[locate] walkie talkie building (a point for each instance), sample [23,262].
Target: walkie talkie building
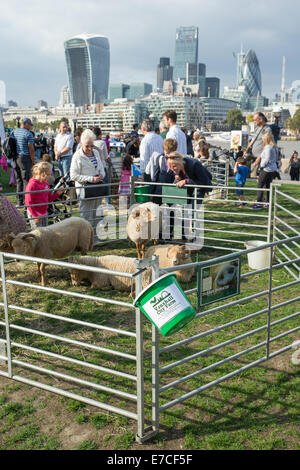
[87,57]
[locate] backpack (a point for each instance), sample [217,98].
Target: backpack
[275,131]
[9,147]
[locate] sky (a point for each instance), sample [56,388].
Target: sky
[32,34]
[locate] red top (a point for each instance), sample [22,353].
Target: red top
[38,198]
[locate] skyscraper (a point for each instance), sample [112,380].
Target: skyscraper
[64,96]
[87,57]
[191,74]
[186,50]
[202,78]
[212,85]
[248,72]
[252,74]
[2,93]
[164,71]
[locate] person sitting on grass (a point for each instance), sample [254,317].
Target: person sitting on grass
[37,214]
[241,171]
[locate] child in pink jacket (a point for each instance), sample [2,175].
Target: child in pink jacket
[37,214]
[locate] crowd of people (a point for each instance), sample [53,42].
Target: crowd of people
[167,154]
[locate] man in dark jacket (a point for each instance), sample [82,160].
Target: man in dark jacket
[189,171]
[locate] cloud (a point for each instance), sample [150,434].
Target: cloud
[32,34]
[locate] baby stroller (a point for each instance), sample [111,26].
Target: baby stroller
[65,200]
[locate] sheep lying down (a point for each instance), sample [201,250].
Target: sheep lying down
[169,256]
[107,281]
[55,241]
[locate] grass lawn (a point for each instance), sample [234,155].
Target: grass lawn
[256,409]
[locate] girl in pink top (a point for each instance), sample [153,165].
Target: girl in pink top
[37,214]
[124,189]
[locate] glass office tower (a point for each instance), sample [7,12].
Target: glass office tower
[186,50]
[87,57]
[164,72]
[248,72]
[252,74]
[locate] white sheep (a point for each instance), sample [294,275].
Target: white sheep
[55,241]
[107,281]
[143,225]
[173,255]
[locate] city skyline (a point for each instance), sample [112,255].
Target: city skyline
[33,63]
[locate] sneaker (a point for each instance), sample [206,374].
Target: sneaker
[257,206]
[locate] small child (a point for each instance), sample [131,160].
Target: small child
[241,171]
[47,158]
[124,189]
[38,214]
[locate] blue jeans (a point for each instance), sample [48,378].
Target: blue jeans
[64,164]
[239,192]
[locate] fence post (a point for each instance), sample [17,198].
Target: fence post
[269,302]
[155,359]
[275,211]
[270,213]
[226,178]
[132,200]
[8,347]
[139,357]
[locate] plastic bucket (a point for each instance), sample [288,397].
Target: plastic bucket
[166,305]
[258,259]
[139,191]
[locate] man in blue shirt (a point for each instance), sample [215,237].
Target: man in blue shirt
[25,157]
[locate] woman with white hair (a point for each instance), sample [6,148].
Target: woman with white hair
[87,169]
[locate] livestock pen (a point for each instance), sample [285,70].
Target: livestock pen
[99,350]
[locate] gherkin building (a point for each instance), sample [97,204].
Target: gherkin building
[250,74]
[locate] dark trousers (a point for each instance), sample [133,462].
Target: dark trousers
[295,175]
[264,180]
[22,168]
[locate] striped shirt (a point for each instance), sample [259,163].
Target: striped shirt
[176,133]
[23,138]
[93,160]
[151,143]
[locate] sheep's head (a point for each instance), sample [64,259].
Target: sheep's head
[76,274]
[178,255]
[23,243]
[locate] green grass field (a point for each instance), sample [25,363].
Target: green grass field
[257,409]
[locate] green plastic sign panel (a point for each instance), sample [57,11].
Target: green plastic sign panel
[218,281]
[173,191]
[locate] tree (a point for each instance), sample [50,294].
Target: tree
[293,123]
[235,119]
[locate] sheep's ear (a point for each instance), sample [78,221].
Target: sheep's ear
[135,213]
[9,238]
[30,240]
[169,251]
